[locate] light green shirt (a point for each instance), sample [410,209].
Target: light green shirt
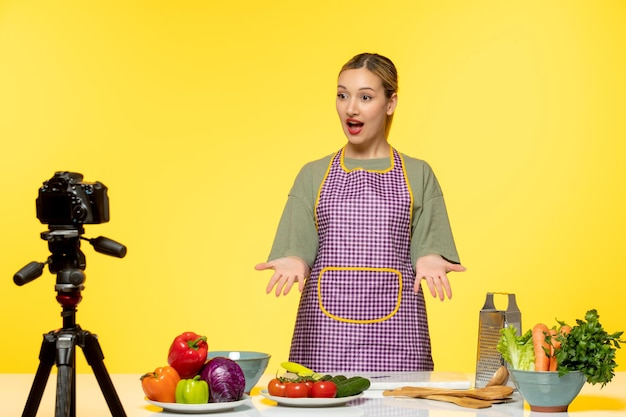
[431,233]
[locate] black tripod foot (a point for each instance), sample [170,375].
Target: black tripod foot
[93,354]
[46,361]
[59,346]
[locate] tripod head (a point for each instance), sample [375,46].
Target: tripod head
[66,203]
[67,259]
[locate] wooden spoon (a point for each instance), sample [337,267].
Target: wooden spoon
[494,392]
[500,377]
[460,401]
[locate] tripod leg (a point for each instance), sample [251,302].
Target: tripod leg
[46,360]
[66,377]
[94,356]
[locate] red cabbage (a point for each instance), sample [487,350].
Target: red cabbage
[225,378]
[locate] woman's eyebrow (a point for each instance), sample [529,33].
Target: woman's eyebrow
[361,88]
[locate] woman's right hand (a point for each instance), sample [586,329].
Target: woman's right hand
[287,270]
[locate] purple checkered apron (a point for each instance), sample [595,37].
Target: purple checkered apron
[358,311]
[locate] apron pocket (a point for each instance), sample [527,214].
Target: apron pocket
[359,295]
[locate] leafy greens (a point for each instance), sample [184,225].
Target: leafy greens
[588,348]
[517,350]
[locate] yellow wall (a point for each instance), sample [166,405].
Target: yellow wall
[198,114]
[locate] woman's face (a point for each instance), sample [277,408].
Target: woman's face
[363,108]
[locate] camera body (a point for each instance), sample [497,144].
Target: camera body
[65,200]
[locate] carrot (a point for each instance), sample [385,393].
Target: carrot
[554,344]
[540,346]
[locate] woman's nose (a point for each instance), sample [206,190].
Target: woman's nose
[352,108]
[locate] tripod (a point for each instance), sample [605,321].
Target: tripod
[59,346]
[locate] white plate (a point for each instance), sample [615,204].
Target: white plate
[198,408]
[309,402]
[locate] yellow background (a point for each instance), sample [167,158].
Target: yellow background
[198,114]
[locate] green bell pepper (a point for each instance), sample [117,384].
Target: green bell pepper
[192,391]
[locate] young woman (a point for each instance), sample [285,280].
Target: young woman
[361,229]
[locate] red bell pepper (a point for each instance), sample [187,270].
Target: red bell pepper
[187,354]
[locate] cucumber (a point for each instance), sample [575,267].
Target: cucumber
[337,379]
[352,386]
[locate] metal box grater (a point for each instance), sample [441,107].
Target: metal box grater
[491,320]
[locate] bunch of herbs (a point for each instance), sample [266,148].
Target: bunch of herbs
[590,349]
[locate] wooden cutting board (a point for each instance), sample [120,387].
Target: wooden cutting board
[495,392]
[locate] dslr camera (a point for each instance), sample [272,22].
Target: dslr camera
[65,200]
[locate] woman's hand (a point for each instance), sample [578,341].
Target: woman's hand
[433,269]
[287,270]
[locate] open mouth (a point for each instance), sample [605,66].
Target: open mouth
[354,126]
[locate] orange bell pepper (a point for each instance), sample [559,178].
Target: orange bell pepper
[160,385]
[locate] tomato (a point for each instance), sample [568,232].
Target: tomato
[276,387]
[309,385]
[296,390]
[324,389]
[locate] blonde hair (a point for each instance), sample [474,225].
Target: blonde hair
[380,66]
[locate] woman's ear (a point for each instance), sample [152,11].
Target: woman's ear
[391,104]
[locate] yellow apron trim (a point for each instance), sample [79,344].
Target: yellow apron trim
[380,171]
[319,191]
[343,166]
[345,320]
[408,186]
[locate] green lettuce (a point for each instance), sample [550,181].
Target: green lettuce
[517,350]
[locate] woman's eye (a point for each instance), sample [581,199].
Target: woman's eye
[342,96]
[366,98]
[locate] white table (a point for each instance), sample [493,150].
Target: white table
[14,388]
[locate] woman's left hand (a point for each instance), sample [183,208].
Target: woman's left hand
[433,269]
[287,271]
